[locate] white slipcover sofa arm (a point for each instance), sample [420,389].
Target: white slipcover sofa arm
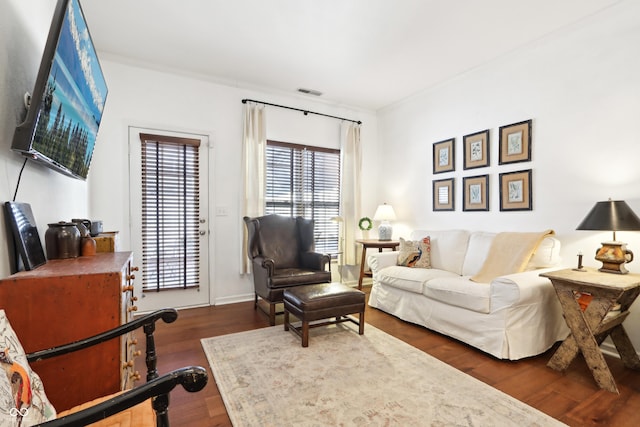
[379,260]
[520,289]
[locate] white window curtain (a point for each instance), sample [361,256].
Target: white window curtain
[254,145]
[350,198]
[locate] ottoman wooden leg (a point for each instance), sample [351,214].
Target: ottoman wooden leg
[361,328]
[305,333]
[286,320]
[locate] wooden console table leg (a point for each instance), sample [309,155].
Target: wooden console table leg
[598,366]
[564,355]
[581,324]
[625,348]
[362,261]
[305,333]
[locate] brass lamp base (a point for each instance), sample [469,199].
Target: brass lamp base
[613,256]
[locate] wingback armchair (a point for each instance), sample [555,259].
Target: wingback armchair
[282,253]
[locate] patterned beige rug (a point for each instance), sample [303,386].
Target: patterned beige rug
[267,379]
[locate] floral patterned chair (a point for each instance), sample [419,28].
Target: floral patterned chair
[23,401]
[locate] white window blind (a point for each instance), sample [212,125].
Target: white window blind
[305,181]
[170,213]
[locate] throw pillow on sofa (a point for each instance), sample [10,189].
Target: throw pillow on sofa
[415,253]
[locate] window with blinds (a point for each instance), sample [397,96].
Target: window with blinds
[170,213]
[305,181]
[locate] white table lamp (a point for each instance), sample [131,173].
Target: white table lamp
[385,214]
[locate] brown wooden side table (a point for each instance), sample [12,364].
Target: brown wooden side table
[373,243]
[600,319]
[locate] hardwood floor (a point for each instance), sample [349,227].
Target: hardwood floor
[571,397]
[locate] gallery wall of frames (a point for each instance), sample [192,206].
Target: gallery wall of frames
[514,146]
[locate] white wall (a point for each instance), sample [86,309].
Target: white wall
[148,98]
[53,197]
[581,87]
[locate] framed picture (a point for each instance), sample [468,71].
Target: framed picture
[444,158]
[476,150]
[515,143]
[515,191]
[443,196]
[475,193]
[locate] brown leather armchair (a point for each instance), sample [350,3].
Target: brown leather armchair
[282,253]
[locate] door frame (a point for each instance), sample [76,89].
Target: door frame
[207,137]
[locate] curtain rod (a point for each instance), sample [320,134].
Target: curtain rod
[244,101]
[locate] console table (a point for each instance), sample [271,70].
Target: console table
[600,319]
[66,300]
[373,243]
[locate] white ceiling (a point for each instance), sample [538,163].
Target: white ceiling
[360,53]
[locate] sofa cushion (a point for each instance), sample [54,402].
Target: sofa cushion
[460,292]
[410,279]
[140,415]
[477,250]
[547,254]
[510,253]
[448,248]
[415,253]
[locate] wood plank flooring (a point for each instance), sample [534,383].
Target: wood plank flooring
[571,397]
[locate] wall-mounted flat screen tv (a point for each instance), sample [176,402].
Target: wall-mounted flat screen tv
[68,99]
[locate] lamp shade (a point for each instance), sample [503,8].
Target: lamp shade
[384,213]
[612,215]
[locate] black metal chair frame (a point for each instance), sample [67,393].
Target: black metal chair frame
[157,388]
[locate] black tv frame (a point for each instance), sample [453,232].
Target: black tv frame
[23,136]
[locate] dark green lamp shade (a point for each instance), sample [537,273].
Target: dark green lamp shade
[612,215]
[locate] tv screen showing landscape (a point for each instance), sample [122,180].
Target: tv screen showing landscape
[70,104]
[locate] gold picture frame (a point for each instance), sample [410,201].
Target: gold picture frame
[475,193]
[516,191]
[443,194]
[444,156]
[515,143]
[476,150]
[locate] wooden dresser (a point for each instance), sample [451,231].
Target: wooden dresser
[71,299]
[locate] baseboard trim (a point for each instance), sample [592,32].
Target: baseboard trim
[233,299]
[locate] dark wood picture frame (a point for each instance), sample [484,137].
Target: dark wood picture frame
[444,156]
[516,191]
[515,142]
[475,193]
[476,150]
[444,194]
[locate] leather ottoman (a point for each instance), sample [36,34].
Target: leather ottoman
[322,301]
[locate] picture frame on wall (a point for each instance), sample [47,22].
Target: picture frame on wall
[476,150]
[444,158]
[443,194]
[475,193]
[516,191]
[515,143]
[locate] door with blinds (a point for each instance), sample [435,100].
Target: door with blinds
[169,217]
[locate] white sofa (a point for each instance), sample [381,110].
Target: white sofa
[515,316]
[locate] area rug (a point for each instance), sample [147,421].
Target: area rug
[266,378]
